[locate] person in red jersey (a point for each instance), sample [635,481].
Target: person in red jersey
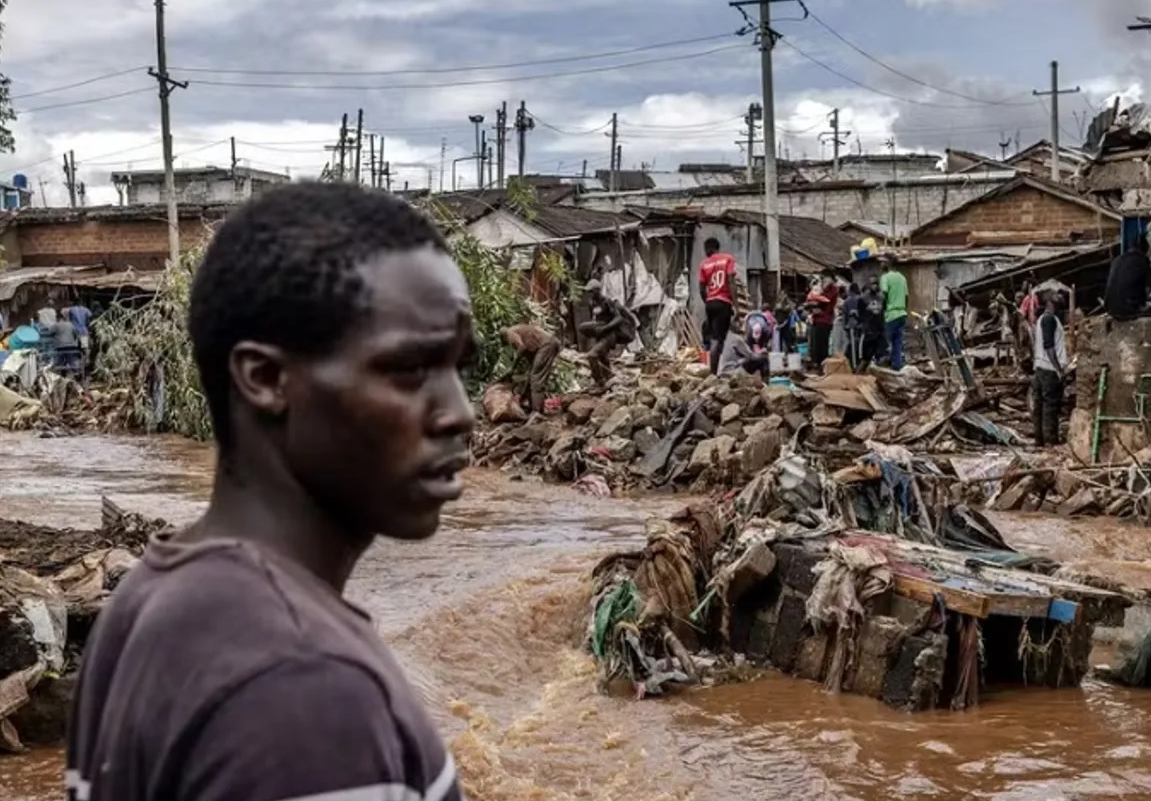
[716,274]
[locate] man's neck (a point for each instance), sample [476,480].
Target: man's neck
[276,513]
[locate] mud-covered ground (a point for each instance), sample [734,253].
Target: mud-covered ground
[487,617]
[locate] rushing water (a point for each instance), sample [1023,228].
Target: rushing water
[487,617]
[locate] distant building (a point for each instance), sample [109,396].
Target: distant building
[16,195]
[195,185]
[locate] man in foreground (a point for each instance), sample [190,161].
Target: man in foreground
[716,275]
[1051,365]
[536,345]
[328,323]
[893,285]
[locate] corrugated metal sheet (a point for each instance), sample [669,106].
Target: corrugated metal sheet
[94,276]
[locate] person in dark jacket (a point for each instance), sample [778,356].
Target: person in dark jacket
[874,332]
[853,313]
[1126,295]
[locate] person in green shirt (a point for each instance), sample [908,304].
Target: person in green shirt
[893,285]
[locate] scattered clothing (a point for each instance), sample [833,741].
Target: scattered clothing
[1126,295]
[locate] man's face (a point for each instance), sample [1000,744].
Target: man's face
[376,430]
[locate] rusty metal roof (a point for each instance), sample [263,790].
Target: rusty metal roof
[89,275]
[811,238]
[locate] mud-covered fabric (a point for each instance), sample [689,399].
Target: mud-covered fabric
[221,672]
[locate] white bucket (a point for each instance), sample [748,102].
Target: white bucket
[775,362]
[794,362]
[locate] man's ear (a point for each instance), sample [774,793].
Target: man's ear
[259,373]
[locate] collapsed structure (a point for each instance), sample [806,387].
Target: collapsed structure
[52,585]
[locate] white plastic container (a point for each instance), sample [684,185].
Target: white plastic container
[775,362]
[794,362]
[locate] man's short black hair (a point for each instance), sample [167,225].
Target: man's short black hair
[711,243]
[283,270]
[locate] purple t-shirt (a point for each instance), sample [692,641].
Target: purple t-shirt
[222,672]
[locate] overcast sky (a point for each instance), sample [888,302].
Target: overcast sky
[931,74]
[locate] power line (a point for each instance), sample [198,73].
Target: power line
[912,78]
[862,85]
[78,84]
[475,82]
[683,127]
[85,101]
[558,130]
[470,68]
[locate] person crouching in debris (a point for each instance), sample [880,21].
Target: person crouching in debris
[716,276]
[1051,366]
[611,326]
[534,343]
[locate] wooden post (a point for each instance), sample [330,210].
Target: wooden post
[1071,321]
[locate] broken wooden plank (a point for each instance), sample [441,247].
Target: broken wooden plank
[1001,600]
[955,599]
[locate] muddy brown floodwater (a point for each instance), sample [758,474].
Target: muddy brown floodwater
[487,617]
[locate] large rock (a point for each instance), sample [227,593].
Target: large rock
[580,410]
[730,413]
[501,405]
[618,449]
[603,410]
[709,452]
[779,400]
[645,440]
[761,449]
[619,424]
[653,420]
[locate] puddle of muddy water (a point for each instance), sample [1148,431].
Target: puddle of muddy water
[488,616]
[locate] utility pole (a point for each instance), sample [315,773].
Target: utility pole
[70,177]
[524,123]
[501,145]
[837,140]
[443,161]
[612,180]
[343,146]
[1054,93]
[618,158]
[484,150]
[477,120]
[160,73]
[491,166]
[767,40]
[1004,144]
[372,176]
[388,176]
[359,146]
[754,114]
[83,191]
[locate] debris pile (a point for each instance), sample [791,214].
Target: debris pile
[796,572]
[52,585]
[672,425]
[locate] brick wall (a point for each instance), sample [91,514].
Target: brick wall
[1026,211]
[141,244]
[915,204]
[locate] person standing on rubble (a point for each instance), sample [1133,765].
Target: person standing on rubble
[1126,295]
[893,285]
[1051,366]
[873,328]
[716,278]
[853,314]
[328,324]
[535,344]
[822,302]
[611,326]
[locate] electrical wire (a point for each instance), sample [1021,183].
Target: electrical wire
[475,82]
[470,68]
[558,130]
[85,101]
[92,158]
[862,85]
[912,78]
[78,84]
[712,124]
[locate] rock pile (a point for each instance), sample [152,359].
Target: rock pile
[677,427]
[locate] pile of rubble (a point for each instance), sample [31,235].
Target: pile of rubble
[856,580]
[672,425]
[61,405]
[53,583]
